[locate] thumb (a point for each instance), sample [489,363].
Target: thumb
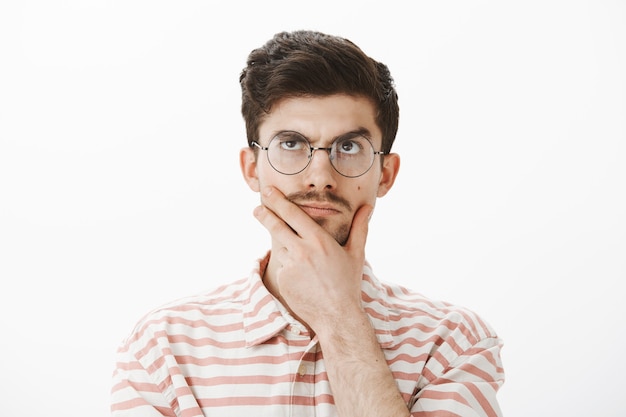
[359,228]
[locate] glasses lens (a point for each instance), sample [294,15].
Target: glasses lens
[352,155]
[288,152]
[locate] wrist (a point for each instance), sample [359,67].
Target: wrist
[346,330]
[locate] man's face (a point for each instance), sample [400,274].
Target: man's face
[319,190]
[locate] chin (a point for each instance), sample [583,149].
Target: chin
[339,233]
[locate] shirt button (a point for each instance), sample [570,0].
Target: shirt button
[302,370]
[295,330]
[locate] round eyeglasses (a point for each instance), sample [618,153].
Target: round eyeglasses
[351,155]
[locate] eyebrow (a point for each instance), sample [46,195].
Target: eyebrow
[360,131]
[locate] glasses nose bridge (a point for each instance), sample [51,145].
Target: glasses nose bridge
[328,150]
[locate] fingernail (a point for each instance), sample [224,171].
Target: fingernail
[267,191]
[257,211]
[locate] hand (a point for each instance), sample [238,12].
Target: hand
[320,282]
[318,279]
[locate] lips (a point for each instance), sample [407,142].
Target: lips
[318,210]
[320,201]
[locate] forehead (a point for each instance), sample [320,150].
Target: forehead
[321,119]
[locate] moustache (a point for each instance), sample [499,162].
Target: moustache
[320,197]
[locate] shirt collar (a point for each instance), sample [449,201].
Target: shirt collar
[377,306]
[264,317]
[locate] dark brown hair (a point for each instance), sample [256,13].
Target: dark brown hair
[309,63]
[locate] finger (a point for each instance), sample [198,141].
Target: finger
[289,212]
[359,229]
[278,229]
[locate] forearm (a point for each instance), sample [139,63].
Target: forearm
[360,378]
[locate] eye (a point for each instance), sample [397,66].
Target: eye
[291,142]
[290,145]
[351,146]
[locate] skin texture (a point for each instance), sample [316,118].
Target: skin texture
[318,222]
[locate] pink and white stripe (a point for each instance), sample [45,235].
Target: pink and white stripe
[237,352]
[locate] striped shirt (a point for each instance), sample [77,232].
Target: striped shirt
[237,352]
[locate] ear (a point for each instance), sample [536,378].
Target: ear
[391,166]
[247,162]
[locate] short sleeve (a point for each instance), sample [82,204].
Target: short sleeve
[467,387]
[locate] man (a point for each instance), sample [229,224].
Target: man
[312,332]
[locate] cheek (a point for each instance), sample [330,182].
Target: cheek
[268,176]
[367,186]
[364,193]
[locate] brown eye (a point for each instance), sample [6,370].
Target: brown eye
[291,142]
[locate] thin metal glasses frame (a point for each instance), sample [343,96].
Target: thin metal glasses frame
[312,150]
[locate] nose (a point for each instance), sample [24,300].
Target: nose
[320,173]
